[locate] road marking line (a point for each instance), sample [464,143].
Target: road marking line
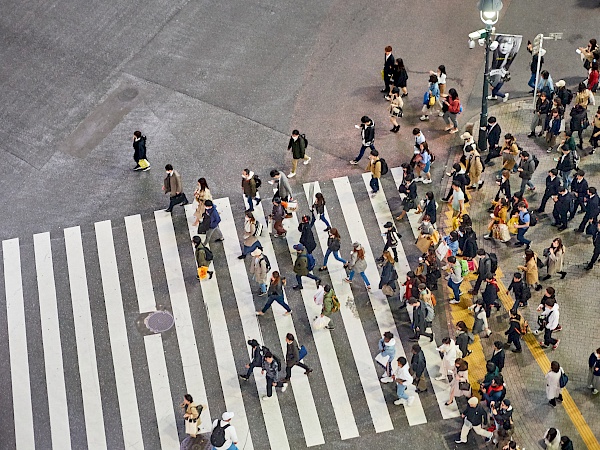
[53,359]
[84,332]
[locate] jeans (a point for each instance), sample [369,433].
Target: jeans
[448,116]
[275,298]
[374,184]
[250,249]
[525,183]
[362,151]
[496,91]
[531,82]
[309,275]
[362,274]
[323,219]
[401,391]
[336,255]
[455,288]
[521,236]
[263,287]
[250,201]
[567,178]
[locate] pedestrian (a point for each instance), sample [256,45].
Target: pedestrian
[172,186]
[498,355]
[403,380]
[422,317]
[367,133]
[490,294]
[441,74]
[493,132]
[554,259]
[275,294]
[475,416]
[458,174]
[583,97]
[457,199]
[463,337]
[473,164]
[276,217]
[563,204]
[432,269]
[546,85]
[514,331]
[448,351]
[565,95]
[495,391]
[333,246]
[459,387]
[542,108]
[499,217]
[589,54]
[259,269]
[593,379]
[451,105]
[418,364]
[510,152]
[250,188]
[211,215]
[292,358]
[531,270]
[552,126]
[271,368]
[430,98]
[256,360]
[552,439]
[319,207]
[566,443]
[552,186]
[201,253]
[491,373]
[550,320]
[533,67]
[251,233]
[297,146]
[596,244]
[565,165]
[523,225]
[455,278]
[481,322]
[392,238]
[592,209]
[549,293]
[307,237]
[520,290]
[595,137]
[579,122]
[303,266]
[428,207]
[201,194]
[395,108]
[419,139]
[502,414]
[374,167]
[408,194]
[496,82]
[191,415]
[401,77]
[553,387]
[526,170]
[139,152]
[389,276]
[452,242]
[284,190]
[358,264]
[329,305]
[388,69]
[423,165]
[579,187]
[387,349]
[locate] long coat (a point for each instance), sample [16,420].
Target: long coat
[553,389]
[531,271]
[555,261]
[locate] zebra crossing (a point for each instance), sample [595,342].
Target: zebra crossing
[193,358]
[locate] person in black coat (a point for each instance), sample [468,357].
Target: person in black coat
[490,295]
[388,69]
[493,133]
[565,164]
[418,365]
[562,206]
[306,235]
[392,238]
[520,290]
[458,174]
[552,186]
[430,207]
[498,356]
[256,359]
[579,187]
[503,187]
[514,331]
[596,242]
[139,151]
[469,249]
[592,209]
[578,117]
[419,322]
[409,189]
[389,276]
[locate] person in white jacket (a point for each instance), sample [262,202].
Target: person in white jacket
[550,316]
[553,389]
[448,349]
[403,381]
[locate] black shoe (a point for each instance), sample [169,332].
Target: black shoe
[471,188]
[531,135]
[518,244]
[517,351]
[137,167]
[538,287]
[384,90]
[243,377]
[562,275]
[547,277]
[318,282]
[308,371]
[488,439]
[404,95]
[168,210]
[219,240]
[210,274]
[588,267]
[242,257]
[185,203]
[321,269]
[480,185]
[297,287]
[258,200]
[563,228]
[327,229]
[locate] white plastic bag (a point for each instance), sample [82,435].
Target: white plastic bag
[321,322]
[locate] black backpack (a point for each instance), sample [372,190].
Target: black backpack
[569,97]
[384,167]
[526,291]
[217,437]
[208,255]
[533,220]
[303,136]
[257,180]
[267,262]
[536,162]
[493,262]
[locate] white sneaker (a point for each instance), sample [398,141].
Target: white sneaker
[441,114]
[424,118]
[595,391]
[271,182]
[441,377]
[353,162]
[291,175]
[400,401]
[492,97]
[418,179]
[284,387]
[454,301]
[536,332]
[386,379]
[505,99]
[590,386]
[427,181]
[265,398]
[486,236]
[411,400]
[306,161]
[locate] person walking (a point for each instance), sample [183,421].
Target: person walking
[430,98]
[490,294]
[553,388]
[595,137]
[514,331]
[307,238]
[531,270]
[297,146]
[211,215]
[487,264]
[271,368]
[303,266]
[552,439]
[319,208]
[387,348]
[552,186]
[275,294]
[474,417]
[418,364]
[555,255]
[403,380]
[139,152]
[395,108]
[459,175]
[250,188]
[457,199]
[579,121]
[201,254]
[502,414]
[552,127]
[493,132]
[277,216]
[333,246]
[455,278]
[451,104]
[498,355]
[473,162]
[421,313]
[408,194]
[388,69]
[480,323]
[256,360]
[579,187]
[563,204]
[374,167]
[459,387]
[201,194]
[367,133]
[463,338]
[329,305]
[565,165]
[542,108]
[448,351]
[283,189]
[191,415]
[526,170]
[389,276]
[523,225]
[533,67]
[358,264]
[259,269]
[172,186]
[550,320]
[520,290]
[292,358]
[596,244]
[251,233]
[401,77]
[391,239]
[593,380]
[592,209]
[224,436]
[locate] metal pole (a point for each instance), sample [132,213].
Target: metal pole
[482,141]
[537,71]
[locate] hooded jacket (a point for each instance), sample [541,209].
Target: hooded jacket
[367,132]
[249,185]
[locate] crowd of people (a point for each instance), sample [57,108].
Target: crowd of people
[452,255]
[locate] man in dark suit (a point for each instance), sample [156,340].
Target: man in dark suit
[493,133]
[579,187]
[388,69]
[592,209]
[596,242]
[562,206]
[552,187]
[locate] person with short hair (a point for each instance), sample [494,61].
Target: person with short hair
[542,108]
[562,208]
[593,380]
[493,133]
[403,380]
[433,92]
[191,415]
[579,187]
[231,438]
[367,133]
[388,69]
[387,347]
[457,200]
[374,167]
[523,225]
[292,358]
[514,331]
[455,278]
[139,152]
[553,388]
[297,146]
[596,244]
[249,189]
[271,368]
[552,186]
[526,170]
[172,185]
[418,364]
[592,209]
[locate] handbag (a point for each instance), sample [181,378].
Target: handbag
[381,359]
[387,290]
[202,272]
[302,352]
[442,250]
[435,237]
[423,243]
[431,100]
[504,233]
[464,386]
[540,263]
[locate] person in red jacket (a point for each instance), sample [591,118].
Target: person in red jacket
[451,107]
[592,84]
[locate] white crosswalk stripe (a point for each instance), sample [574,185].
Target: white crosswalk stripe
[165,371]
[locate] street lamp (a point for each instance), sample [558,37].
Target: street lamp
[489,11]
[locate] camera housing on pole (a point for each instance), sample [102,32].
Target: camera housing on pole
[537,49]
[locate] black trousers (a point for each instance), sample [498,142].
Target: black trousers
[586,219]
[560,218]
[515,340]
[477,284]
[548,339]
[595,257]
[251,368]
[545,199]
[394,251]
[177,199]
[288,370]
[270,382]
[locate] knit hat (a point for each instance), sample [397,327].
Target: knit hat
[473,401]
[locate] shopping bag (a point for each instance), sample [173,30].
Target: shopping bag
[321,322]
[442,250]
[512,222]
[503,231]
[290,206]
[435,237]
[455,223]
[383,360]
[423,243]
[387,290]
[302,352]
[202,272]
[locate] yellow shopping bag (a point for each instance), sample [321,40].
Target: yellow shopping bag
[512,229]
[202,272]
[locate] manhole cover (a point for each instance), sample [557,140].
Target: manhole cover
[128,94]
[159,321]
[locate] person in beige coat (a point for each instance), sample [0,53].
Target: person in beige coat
[460,375]
[555,255]
[251,241]
[474,168]
[173,186]
[509,152]
[201,194]
[531,270]
[374,167]
[259,268]
[191,415]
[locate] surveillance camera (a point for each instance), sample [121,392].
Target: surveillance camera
[476,34]
[481,42]
[471,44]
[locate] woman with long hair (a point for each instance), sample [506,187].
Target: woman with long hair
[250,242]
[201,194]
[451,107]
[400,76]
[531,270]
[554,259]
[389,276]
[396,105]
[319,208]
[358,264]
[460,379]
[275,294]
[333,246]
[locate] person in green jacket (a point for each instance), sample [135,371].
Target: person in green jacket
[328,305]
[297,145]
[200,254]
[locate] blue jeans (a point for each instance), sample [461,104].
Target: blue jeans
[323,219]
[361,153]
[496,91]
[362,274]
[521,236]
[336,255]
[276,298]
[250,201]
[531,82]
[567,178]
[263,287]
[455,288]
[309,275]
[400,391]
[374,184]
[250,249]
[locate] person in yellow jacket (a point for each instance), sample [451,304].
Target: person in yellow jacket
[374,167]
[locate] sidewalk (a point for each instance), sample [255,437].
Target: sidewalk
[524,373]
